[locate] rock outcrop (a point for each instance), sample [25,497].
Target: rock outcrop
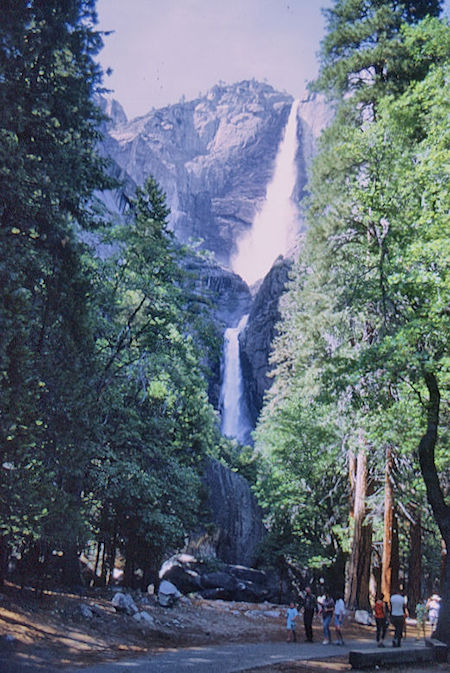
[222,297]
[237,518]
[256,339]
[212,156]
[213,579]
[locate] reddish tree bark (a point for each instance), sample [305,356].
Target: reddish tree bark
[386,563]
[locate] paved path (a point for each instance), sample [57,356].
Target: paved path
[225,658]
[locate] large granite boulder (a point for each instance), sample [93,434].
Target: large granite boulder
[235,514]
[226,581]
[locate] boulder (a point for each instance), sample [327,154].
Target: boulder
[226,582]
[364,617]
[248,574]
[218,579]
[181,575]
[145,619]
[85,611]
[124,603]
[168,594]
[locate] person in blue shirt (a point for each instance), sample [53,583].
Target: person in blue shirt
[292,614]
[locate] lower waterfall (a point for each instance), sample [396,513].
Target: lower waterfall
[235,418]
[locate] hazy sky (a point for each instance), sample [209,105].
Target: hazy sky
[162,49]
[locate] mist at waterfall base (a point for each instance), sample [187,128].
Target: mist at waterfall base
[273,232]
[275,226]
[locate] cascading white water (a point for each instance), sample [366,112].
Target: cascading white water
[275,226]
[272,234]
[235,422]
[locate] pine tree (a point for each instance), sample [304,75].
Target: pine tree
[48,132]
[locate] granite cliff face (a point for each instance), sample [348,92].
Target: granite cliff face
[256,339]
[214,157]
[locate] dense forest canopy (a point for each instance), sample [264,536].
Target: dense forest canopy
[105,419]
[357,410]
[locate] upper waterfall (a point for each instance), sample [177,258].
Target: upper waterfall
[275,226]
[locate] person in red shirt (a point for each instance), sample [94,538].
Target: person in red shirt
[381,619]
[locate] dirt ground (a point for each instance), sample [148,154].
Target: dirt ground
[50,632]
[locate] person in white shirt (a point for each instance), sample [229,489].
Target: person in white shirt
[398,605]
[433,606]
[339,616]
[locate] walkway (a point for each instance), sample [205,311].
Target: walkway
[226,658]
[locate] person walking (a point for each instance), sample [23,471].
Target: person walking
[309,608]
[291,623]
[339,616]
[327,610]
[433,607]
[381,619]
[398,607]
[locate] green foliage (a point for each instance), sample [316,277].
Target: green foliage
[104,414]
[48,128]
[366,314]
[158,424]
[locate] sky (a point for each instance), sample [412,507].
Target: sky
[163,49]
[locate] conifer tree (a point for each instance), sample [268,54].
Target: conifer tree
[357,334]
[48,131]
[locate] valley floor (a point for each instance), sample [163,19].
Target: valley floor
[50,633]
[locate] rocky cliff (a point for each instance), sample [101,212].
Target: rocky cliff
[214,157]
[236,514]
[256,340]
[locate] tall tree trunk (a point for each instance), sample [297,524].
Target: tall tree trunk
[356,558]
[395,556]
[104,570]
[415,563]
[363,585]
[441,510]
[71,573]
[386,563]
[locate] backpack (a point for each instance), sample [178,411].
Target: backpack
[379,610]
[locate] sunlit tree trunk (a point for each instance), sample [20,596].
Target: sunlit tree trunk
[415,563]
[358,559]
[386,564]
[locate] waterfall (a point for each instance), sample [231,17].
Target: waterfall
[235,421]
[272,233]
[275,226]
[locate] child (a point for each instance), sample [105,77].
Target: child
[339,616]
[292,613]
